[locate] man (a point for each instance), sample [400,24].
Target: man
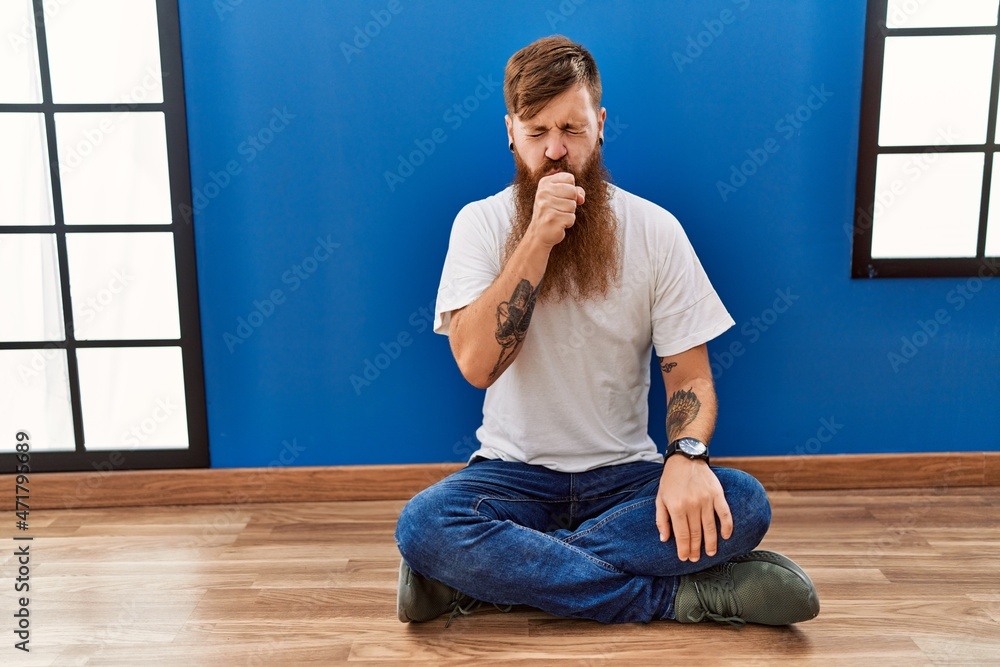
[553,294]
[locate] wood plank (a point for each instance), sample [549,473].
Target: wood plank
[315,583]
[240,487]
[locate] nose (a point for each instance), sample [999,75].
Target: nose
[555,149]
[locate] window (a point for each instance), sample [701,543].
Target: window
[928,200]
[100,348]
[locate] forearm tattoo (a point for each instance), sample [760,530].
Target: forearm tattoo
[667,366]
[513,318]
[683,408]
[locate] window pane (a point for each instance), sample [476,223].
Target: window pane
[34,393]
[940,13]
[927,205]
[133,398]
[19,79]
[104,51]
[934,86]
[993,222]
[123,286]
[25,193]
[30,298]
[113,168]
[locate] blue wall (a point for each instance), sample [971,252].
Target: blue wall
[291,136]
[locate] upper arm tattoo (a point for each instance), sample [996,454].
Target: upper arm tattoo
[683,408]
[513,318]
[667,366]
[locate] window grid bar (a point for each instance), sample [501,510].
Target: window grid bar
[940,32]
[938,148]
[76,229]
[78,344]
[116,107]
[863,264]
[991,133]
[72,367]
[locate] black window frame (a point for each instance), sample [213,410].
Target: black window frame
[196,455]
[863,265]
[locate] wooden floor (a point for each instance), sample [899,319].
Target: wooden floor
[904,577]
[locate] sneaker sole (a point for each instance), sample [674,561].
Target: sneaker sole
[404,576]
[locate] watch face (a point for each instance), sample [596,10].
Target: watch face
[692,447]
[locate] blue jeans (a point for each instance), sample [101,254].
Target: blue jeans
[580,545]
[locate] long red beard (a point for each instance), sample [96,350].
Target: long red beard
[586,264]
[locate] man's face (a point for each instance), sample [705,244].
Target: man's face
[567,127]
[564,137]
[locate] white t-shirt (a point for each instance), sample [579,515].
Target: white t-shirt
[575,398]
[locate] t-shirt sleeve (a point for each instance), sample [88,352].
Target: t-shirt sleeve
[471,265]
[687,311]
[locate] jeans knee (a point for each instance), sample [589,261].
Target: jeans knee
[750,506]
[420,531]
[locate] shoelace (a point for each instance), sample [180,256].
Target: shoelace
[715,591]
[471,606]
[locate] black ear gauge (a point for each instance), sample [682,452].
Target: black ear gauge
[511,147]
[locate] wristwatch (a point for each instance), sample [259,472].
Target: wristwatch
[689,447]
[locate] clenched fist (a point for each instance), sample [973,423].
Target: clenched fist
[555,207]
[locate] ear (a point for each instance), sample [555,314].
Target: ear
[510,128]
[601,117]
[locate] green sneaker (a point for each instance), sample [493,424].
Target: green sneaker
[760,587]
[421,599]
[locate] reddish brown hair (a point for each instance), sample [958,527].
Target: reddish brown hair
[544,69]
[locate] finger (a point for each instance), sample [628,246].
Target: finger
[662,520]
[559,177]
[725,516]
[695,526]
[682,535]
[581,196]
[708,525]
